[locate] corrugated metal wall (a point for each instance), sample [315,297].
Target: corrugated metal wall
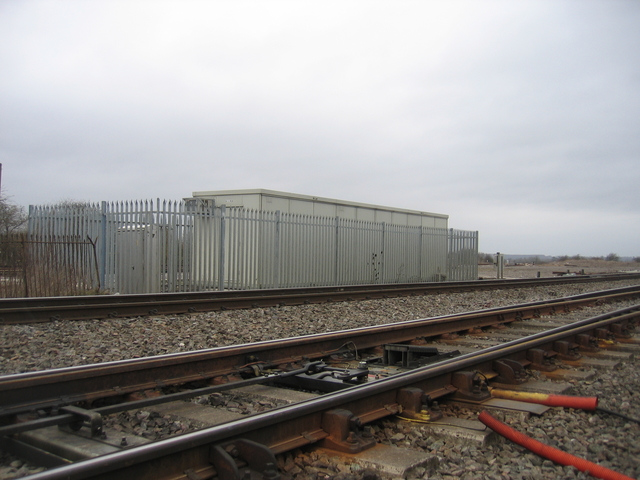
[147,246]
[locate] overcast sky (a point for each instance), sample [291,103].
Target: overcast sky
[519,119]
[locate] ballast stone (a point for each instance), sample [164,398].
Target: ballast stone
[391,460]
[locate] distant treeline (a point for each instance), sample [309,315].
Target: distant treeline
[538,259]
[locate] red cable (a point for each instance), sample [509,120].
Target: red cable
[583,403]
[551,453]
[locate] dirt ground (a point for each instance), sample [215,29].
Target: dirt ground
[575,267]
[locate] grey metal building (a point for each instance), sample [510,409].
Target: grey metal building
[284,239]
[249,239]
[272,201]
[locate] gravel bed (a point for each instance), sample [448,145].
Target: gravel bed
[57,344]
[608,440]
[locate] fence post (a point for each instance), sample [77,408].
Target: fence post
[24,265]
[276,254]
[31,219]
[450,248]
[335,276]
[474,260]
[383,273]
[221,258]
[420,243]
[103,245]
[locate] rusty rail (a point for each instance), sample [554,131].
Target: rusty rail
[45,309]
[334,419]
[34,390]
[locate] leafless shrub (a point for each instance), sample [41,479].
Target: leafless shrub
[37,267]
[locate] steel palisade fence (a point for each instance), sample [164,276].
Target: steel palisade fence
[192,245]
[47,266]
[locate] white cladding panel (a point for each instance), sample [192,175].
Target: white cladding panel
[325,210]
[271,201]
[438,223]
[383,216]
[273,204]
[298,207]
[400,218]
[346,212]
[366,215]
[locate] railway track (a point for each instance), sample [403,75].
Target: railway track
[344,362]
[45,309]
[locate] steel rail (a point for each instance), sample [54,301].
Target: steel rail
[64,386]
[68,418]
[45,309]
[292,426]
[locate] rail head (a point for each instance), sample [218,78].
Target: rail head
[44,389]
[46,309]
[363,401]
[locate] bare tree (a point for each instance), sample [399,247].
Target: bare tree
[72,203]
[13,218]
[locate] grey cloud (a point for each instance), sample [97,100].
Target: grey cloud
[486,111]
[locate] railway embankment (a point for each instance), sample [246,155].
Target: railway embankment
[58,344]
[608,440]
